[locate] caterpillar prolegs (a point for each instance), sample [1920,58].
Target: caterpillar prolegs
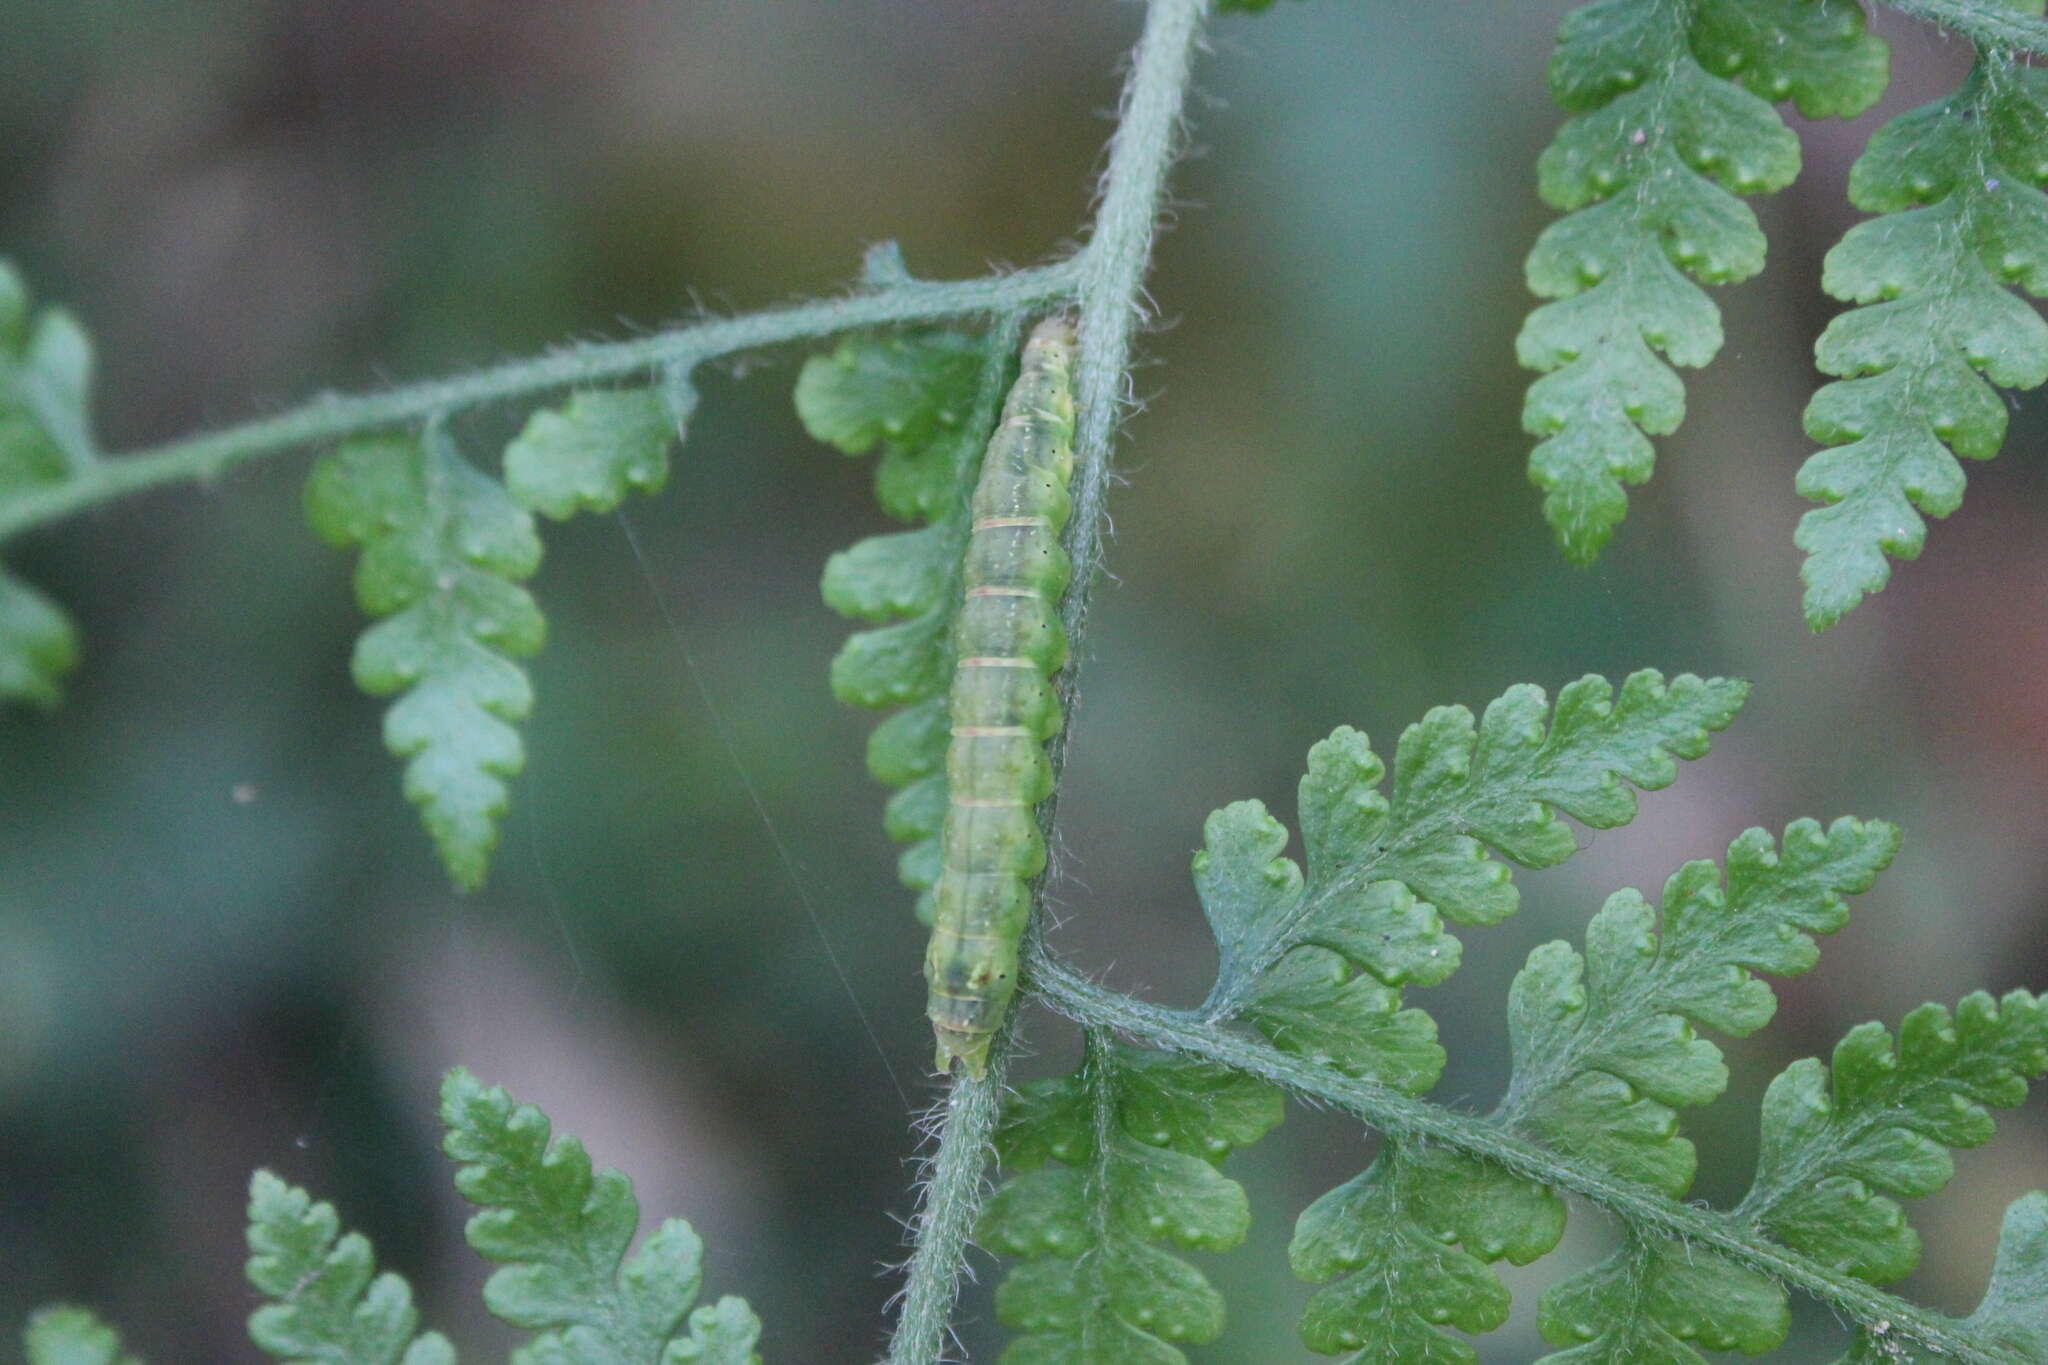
[1003,709]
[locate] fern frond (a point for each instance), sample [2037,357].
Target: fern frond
[1957,183]
[45,437]
[329,1306]
[444,547]
[927,400]
[601,445]
[65,1335]
[562,1232]
[1137,1137]
[1605,1048]
[1672,122]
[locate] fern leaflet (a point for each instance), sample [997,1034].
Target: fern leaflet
[1603,1044]
[1837,1141]
[927,400]
[45,437]
[444,547]
[1672,121]
[1957,183]
[1404,1248]
[329,1304]
[562,1231]
[1384,871]
[45,377]
[1605,1053]
[588,454]
[1137,1137]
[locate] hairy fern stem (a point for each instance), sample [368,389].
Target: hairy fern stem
[334,416]
[1112,275]
[950,1195]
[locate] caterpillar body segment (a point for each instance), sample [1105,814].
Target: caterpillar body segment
[1008,645]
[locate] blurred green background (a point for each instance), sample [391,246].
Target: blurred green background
[1325,522]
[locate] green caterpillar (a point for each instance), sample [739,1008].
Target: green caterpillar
[1003,707]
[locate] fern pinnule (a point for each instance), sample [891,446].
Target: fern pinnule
[444,548]
[1406,1247]
[46,367]
[1605,1053]
[1604,1047]
[38,644]
[1672,121]
[1840,1139]
[327,1300]
[1385,870]
[1654,1300]
[1109,1167]
[1957,185]
[590,453]
[562,1230]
